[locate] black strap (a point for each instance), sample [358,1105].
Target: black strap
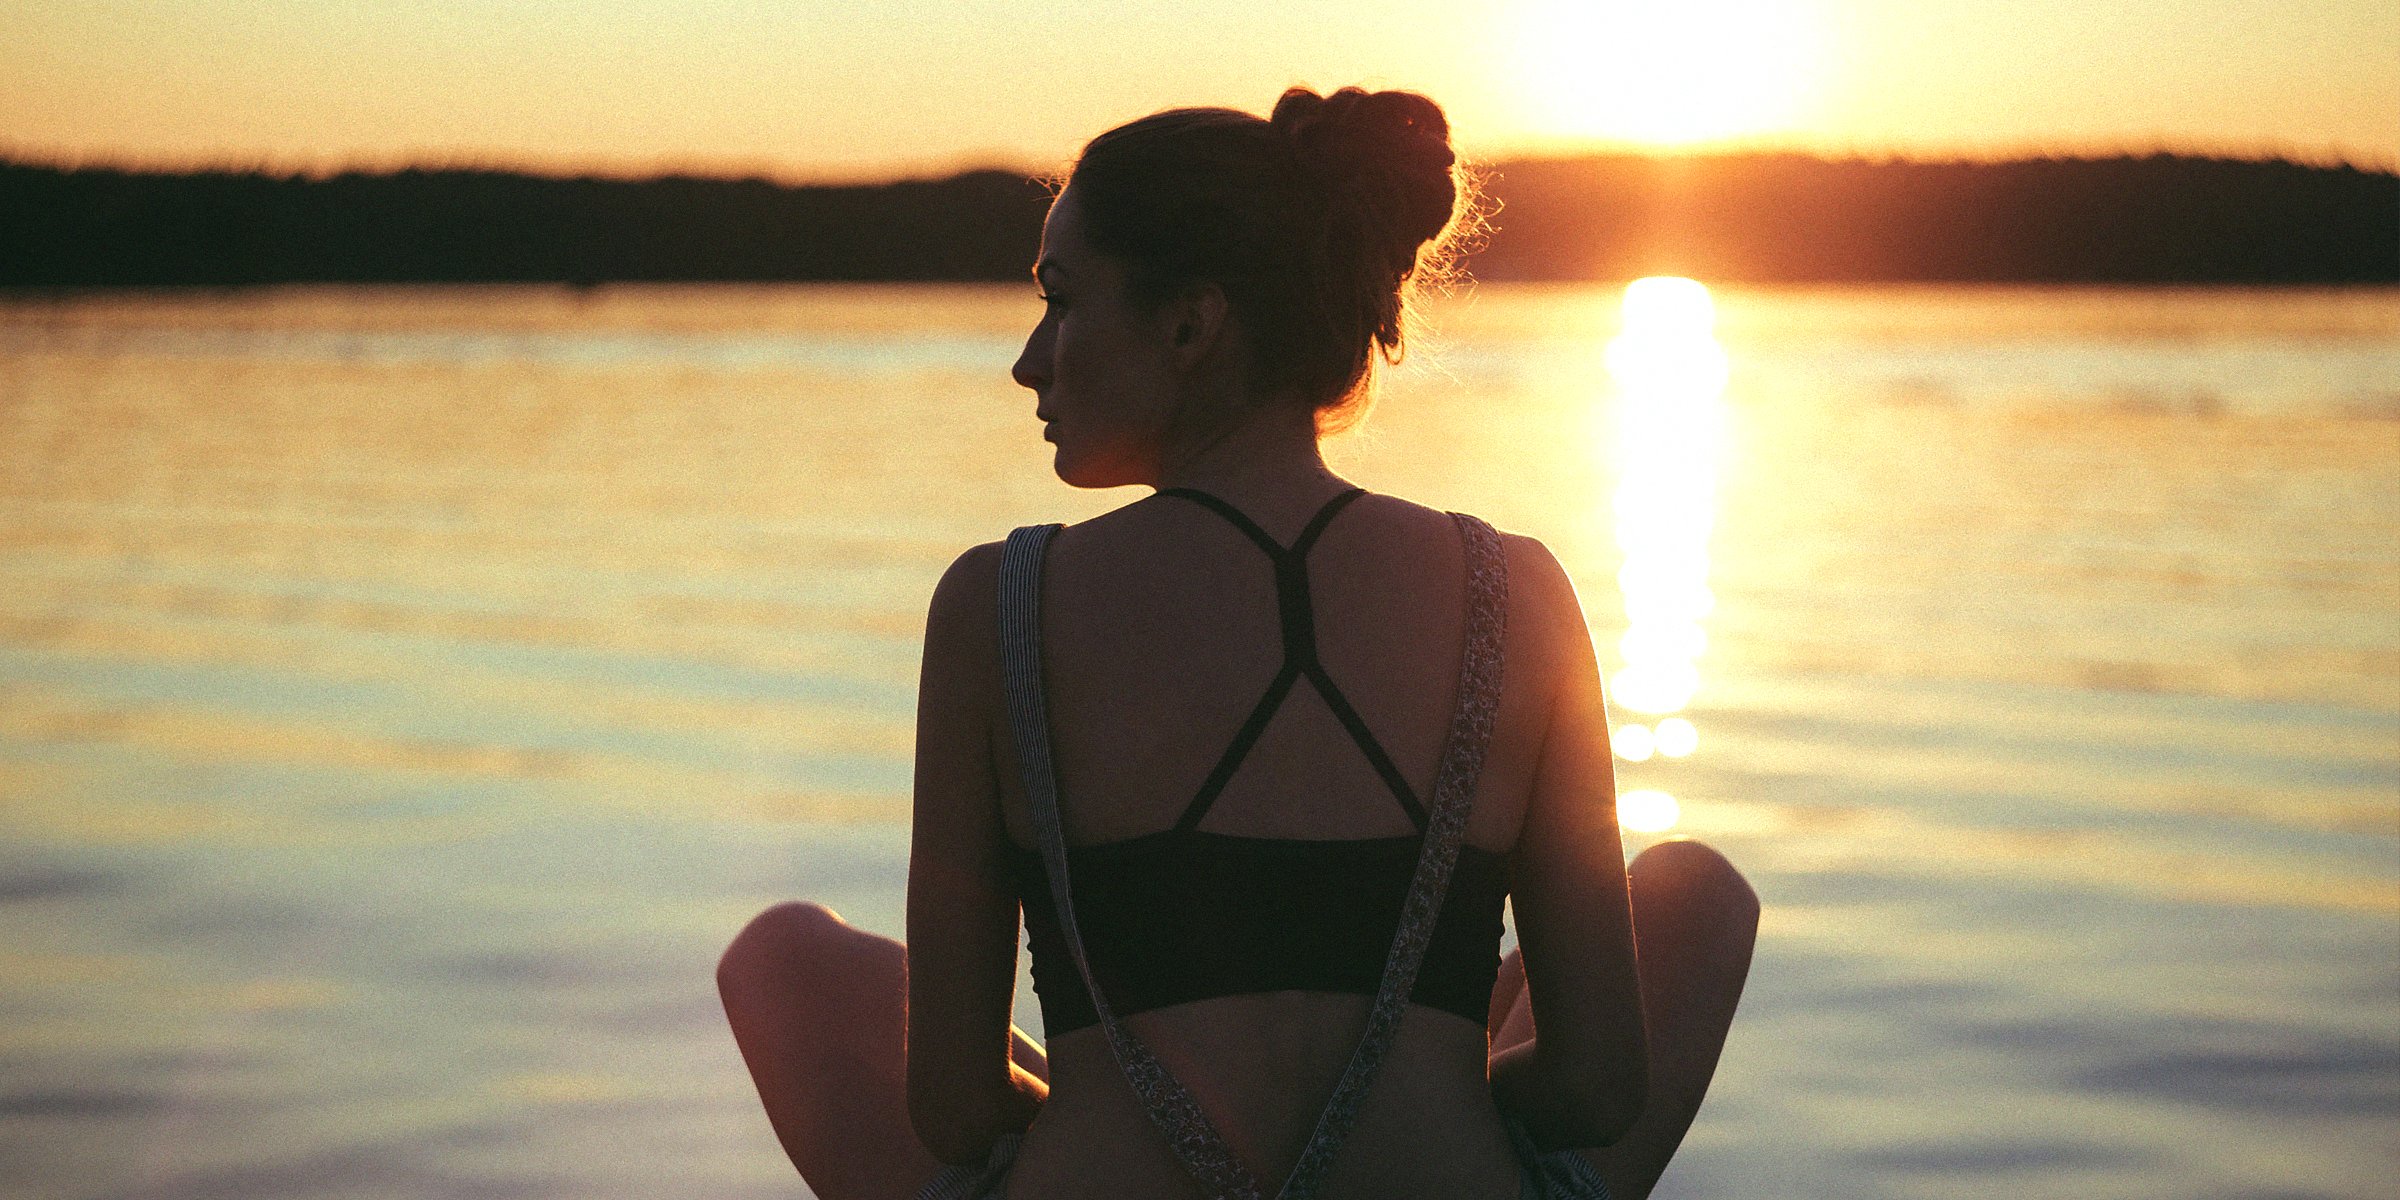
[1300,661]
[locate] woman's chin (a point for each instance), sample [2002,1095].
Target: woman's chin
[1084,473]
[1063,465]
[1088,482]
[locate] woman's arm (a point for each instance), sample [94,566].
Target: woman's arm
[963,1089]
[1581,1079]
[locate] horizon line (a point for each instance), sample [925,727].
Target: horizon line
[737,171]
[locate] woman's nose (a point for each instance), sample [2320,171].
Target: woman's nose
[1032,366]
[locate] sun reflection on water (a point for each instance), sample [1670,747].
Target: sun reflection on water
[1668,438]
[1648,810]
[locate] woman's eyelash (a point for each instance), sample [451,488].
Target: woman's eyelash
[1047,297]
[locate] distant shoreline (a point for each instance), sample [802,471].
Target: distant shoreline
[1735,218]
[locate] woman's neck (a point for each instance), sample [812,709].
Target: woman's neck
[1262,466]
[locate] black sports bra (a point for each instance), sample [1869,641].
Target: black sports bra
[1184,914]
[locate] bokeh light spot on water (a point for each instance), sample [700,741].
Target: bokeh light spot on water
[1655,686]
[1648,810]
[1633,742]
[1676,737]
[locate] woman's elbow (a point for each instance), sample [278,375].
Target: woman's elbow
[1605,1104]
[1610,1113]
[957,1115]
[1587,1123]
[1568,1103]
[946,1123]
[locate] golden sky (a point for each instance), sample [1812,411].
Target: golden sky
[810,88]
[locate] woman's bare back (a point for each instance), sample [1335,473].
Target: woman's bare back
[1162,630]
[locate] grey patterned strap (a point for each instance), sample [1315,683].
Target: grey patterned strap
[1194,1139]
[1453,799]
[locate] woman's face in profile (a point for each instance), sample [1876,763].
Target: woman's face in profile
[1098,366]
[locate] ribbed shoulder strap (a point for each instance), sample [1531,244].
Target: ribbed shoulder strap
[1195,1141]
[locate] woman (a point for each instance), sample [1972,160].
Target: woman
[1301,741]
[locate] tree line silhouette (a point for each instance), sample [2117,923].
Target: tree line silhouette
[1736,218]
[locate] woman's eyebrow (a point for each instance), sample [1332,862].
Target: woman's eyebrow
[1050,265]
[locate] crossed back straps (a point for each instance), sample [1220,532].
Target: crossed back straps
[1195,1141]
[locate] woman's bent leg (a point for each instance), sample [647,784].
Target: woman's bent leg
[818,1008]
[1695,921]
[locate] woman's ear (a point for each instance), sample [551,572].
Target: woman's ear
[1200,325]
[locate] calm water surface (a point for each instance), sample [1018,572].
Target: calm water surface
[404,693]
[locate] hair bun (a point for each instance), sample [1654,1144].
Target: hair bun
[1389,150]
[1320,224]
[1402,124]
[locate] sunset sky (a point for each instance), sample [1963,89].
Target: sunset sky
[812,89]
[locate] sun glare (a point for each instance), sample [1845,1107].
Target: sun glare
[1666,74]
[1667,442]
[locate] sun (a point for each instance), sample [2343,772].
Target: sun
[1665,72]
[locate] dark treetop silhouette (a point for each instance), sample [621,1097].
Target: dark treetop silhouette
[1733,218]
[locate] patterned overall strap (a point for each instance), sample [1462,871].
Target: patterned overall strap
[1196,1142]
[1453,799]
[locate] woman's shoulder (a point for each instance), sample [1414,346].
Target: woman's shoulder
[1544,611]
[959,620]
[1538,583]
[976,571]
[1535,573]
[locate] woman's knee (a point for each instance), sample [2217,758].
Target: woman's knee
[794,938]
[1692,878]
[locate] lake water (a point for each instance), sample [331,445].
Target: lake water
[405,692]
